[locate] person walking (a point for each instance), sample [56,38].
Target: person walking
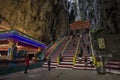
[26,64]
[85,61]
[80,57]
[91,61]
[81,50]
[49,62]
[88,49]
[60,57]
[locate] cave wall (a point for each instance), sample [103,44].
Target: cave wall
[103,14]
[41,19]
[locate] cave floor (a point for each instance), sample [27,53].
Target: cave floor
[59,74]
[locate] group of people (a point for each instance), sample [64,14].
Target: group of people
[85,60]
[85,46]
[80,52]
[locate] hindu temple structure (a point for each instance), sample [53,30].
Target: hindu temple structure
[12,42]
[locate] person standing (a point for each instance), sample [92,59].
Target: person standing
[91,61]
[80,57]
[88,49]
[60,57]
[26,64]
[85,61]
[49,62]
[81,50]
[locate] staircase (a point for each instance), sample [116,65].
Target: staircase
[68,54]
[79,65]
[55,54]
[48,51]
[113,65]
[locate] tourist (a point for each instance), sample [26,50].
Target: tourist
[60,57]
[26,64]
[88,49]
[80,57]
[78,33]
[81,50]
[91,61]
[49,62]
[85,61]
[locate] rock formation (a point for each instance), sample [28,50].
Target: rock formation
[103,14]
[41,19]
[47,20]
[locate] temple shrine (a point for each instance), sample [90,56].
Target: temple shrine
[13,38]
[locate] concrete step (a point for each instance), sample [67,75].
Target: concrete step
[114,63]
[52,63]
[68,55]
[69,50]
[116,67]
[67,60]
[82,61]
[66,63]
[84,68]
[65,66]
[52,57]
[52,66]
[82,65]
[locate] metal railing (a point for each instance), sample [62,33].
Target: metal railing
[93,55]
[56,46]
[75,56]
[66,45]
[58,61]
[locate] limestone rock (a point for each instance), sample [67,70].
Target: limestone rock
[102,14]
[36,18]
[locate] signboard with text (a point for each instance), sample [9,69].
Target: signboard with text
[101,43]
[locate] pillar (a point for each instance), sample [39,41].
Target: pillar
[10,48]
[10,53]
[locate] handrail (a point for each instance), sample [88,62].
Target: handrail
[50,45]
[74,57]
[93,55]
[58,59]
[66,45]
[56,46]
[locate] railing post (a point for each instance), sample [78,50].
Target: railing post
[74,59]
[75,56]
[58,60]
